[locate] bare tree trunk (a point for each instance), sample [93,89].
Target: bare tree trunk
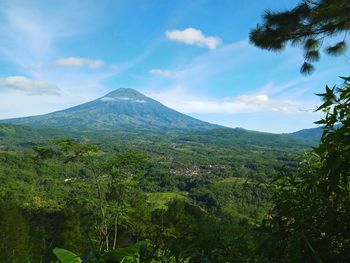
[100,197]
[115,232]
[99,192]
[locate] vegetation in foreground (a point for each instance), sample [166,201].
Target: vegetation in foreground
[127,206]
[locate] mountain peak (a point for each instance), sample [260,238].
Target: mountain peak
[125,93]
[121,109]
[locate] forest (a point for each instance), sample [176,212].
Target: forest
[88,197]
[218,195]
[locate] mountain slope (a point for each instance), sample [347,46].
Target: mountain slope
[312,135]
[122,109]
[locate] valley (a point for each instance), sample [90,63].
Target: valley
[53,162]
[174,131]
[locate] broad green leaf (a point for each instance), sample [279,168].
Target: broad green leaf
[66,256]
[324,105]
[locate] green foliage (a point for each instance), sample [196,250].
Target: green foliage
[14,233]
[61,185]
[312,135]
[206,181]
[100,192]
[161,200]
[66,256]
[194,191]
[306,25]
[178,189]
[133,253]
[310,218]
[186,231]
[338,49]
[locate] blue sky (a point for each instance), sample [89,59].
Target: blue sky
[193,56]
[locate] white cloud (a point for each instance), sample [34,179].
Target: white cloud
[31,87]
[78,62]
[254,99]
[180,99]
[193,36]
[123,98]
[32,34]
[30,30]
[161,72]
[15,103]
[140,101]
[108,99]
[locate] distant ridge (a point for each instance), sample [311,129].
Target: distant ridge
[122,109]
[312,135]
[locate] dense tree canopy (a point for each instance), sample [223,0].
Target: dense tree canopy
[215,196]
[310,218]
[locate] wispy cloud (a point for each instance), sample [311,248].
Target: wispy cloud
[193,88]
[161,73]
[260,99]
[29,35]
[29,86]
[193,36]
[204,67]
[78,62]
[35,34]
[31,43]
[181,99]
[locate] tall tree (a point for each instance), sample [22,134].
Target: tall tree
[310,219]
[14,234]
[307,25]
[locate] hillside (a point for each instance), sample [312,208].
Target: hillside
[122,109]
[312,135]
